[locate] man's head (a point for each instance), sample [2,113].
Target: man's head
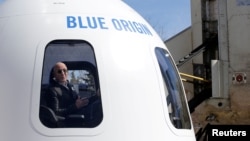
[60,72]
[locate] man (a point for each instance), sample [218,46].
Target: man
[61,97]
[63,100]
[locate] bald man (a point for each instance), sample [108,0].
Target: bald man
[61,96]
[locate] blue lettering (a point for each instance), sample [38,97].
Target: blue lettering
[80,23]
[142,28]
[71,22]
[94,22]
[146,30]
[102,23]
[99,22]
[87,22]
[137,27]
[131,26]
[117,24]
[125,25]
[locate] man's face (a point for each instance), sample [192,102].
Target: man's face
[61,72]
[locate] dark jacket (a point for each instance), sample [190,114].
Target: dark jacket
[61,99]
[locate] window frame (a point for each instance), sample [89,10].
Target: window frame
[35,99]
[160,51]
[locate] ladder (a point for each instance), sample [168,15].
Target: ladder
[201,48]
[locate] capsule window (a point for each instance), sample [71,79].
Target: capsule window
[175,98]
[70,91]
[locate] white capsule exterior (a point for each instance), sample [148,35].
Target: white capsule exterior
[124,52]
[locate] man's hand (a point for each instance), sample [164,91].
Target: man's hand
[81,102]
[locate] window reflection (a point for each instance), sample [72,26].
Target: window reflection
[82,84]
[174,93]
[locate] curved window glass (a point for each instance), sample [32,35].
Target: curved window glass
[174,93]
[70,92]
